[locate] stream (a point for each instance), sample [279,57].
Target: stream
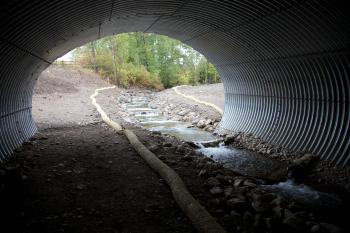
[241,161]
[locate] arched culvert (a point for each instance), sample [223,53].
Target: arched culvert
[284,64]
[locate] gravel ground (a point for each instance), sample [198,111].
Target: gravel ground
[77,175]
[212,93]
[62,97]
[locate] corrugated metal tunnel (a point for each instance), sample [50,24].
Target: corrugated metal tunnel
[284,64]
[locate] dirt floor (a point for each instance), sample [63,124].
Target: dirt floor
[212,93]
[78,175]
[61,97]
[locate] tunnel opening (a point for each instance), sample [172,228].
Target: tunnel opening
[285,70]
[285,73]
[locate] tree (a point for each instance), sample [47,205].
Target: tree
[146,60]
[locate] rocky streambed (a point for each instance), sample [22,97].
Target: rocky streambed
[254,186]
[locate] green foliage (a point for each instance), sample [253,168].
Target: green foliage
[146,60]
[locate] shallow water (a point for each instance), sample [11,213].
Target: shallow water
[153,120]
[244,162]
[305,195]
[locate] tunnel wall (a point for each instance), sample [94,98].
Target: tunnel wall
[284,64]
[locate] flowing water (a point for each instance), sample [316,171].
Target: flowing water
[244,162]
[152,119]
[305,195]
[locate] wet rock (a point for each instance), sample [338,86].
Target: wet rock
[238,182]
[229,139]
[201,123]
[228,191]
[43,137]
[208,122]
[296,223]
[216,202]
[183,112]
[215,124]
[330,228]
[237,203]
[278,212]
[280,202]
[81,186]
[248,216]
[167,144]
[262,201]
[153,207]
[180,149]
[195,121]
[203,173]
[212,182]
[216,191]
[259,224]
[301,167]
[316,228]
[2,173]
[249,183]
[194,145]
[224,180]
[187,158]
[236,218]
[214,143]
[277,174]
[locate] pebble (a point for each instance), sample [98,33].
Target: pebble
[249,184]
[81,186]
[167,144]
[296,223]
[315,228]
[237,203]
[331,228]
[212,182]
[238,182]
[216,190]
[228,191]
[203,173]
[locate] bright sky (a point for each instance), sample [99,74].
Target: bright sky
[67,57]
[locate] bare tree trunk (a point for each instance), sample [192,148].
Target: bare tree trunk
[114,59]
[93,56]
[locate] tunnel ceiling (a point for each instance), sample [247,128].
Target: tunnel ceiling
[284,64]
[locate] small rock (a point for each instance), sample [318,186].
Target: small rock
[315,228]
[43,137]
[249,183]
[154,207]
[212,182]
[302,166]
[296,223]
[237,203]
[225,180]
[167,144]
[203,173]
[238,182]
[2,172]
[216,190]
[331,228]
[201,123]
[278,212]
[248,216]
[236,217]
[187,158]
[262,202]
[183,112]
[81,186]
[229,140]
[228,191]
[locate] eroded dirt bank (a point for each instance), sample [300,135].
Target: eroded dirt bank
[80,176]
